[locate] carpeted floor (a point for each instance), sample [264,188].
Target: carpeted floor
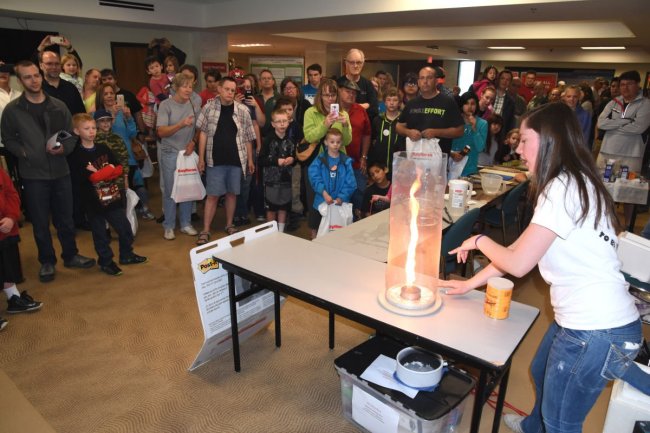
[110,354]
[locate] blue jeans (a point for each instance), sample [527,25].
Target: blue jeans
[357,195]
[571,368]
[51,197]
[117,219]
[242,208]
[167,169]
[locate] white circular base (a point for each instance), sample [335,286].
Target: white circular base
[408,312]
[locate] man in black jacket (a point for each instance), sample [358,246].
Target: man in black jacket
[34,129]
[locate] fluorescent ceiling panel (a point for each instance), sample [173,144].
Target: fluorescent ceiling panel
[506,31]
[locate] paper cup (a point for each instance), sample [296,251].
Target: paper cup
[497,298]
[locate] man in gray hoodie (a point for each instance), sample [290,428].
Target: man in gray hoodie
[34,129]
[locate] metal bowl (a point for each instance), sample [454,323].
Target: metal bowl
[418,368]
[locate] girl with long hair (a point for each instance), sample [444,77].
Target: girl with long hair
[596,333]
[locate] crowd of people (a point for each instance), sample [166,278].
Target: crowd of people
[74,147]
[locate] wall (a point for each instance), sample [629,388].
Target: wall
[93,41]
[620,67]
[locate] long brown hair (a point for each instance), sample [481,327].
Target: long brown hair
[326,85]
[562,149]
[99,99]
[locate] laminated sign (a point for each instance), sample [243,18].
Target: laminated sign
[211,287]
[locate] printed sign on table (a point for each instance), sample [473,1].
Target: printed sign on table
[211,287]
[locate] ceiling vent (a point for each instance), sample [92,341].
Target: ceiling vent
[127,5]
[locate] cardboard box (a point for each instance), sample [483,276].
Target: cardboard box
[634,254]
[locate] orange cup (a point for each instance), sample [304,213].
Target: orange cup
[497,298]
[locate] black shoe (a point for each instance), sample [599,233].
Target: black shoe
[133,260]
[46,274]
[22,304]
[292,226]
[112,269]
[83,226]
[3,323]
[296,216]
[160,219]
[79,261]
[241,221]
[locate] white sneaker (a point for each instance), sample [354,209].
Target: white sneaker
[169,234]
[189,230]
[513,422]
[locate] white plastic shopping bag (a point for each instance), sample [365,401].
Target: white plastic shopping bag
[334,217]
[132,200]
[187,179]
[423,145]
[147,167]
[456,168]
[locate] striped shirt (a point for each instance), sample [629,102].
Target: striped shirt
[207,123]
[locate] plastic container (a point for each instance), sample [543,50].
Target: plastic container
[626,406]
[439,411]
[634,254]
[491,183]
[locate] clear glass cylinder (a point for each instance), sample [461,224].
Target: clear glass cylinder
[417,202]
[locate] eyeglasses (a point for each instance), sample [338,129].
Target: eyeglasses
[51,63]
[329,95]
[354,63]
[410,84]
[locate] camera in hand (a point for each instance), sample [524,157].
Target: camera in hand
[465,150]
[248,93]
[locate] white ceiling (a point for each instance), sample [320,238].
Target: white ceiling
[550,30]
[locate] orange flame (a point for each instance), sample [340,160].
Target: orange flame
[414,207]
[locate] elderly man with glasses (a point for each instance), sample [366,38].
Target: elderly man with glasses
[367,95]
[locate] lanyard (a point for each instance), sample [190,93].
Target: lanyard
[390,134]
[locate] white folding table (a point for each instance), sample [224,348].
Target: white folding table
[349,285]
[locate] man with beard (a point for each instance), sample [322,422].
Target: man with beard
[29,124]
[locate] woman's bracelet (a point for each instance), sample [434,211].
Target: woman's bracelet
[476,241]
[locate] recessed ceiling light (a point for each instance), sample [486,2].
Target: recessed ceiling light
[506,48]
[603,48]
[250,45]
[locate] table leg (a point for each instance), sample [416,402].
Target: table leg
[331,329]
[503,387]
[233,320]
[630,228]
[278,328]
[479,401]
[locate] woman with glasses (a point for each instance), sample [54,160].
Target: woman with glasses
[318,119]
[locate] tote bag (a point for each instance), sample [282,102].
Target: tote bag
[187,179]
